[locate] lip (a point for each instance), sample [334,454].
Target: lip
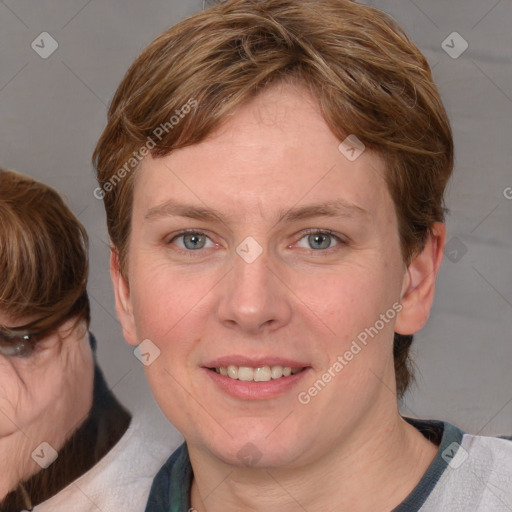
[255,362]
[256,390]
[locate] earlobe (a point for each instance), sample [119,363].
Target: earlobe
[123,300]
[419,283]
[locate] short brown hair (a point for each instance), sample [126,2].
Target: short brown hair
[369,78]
[44,261]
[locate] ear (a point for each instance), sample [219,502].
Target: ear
[123,301]
[419,283]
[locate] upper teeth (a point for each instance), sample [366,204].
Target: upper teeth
[260,374]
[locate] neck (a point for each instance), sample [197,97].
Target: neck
[373,469]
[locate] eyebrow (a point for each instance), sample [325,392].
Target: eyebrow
[174,208]
[338,208]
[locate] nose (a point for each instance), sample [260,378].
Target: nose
[253,298]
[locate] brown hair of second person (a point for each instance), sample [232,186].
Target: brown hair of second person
[44,264]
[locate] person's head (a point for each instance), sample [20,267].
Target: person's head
[46,363]
[233,125]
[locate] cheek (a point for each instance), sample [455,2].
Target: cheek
[172,308]
[10,387]
[160,299]
[24,393]
[163,293]
[349,299]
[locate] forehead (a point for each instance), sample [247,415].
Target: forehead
[270,154]
[7,320]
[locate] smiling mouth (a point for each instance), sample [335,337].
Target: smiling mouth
[259,374]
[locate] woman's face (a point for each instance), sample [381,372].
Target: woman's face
[291,252]
[48,389]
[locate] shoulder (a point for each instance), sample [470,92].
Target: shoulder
[478,476]
[122,479]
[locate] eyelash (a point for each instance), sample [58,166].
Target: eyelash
[307,232]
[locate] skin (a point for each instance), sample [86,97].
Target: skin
[43,398]
[348,449]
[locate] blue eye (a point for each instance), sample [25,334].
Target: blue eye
[320,240]
[192,240]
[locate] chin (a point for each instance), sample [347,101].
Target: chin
[279,449]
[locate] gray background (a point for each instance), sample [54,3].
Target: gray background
[53,110]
